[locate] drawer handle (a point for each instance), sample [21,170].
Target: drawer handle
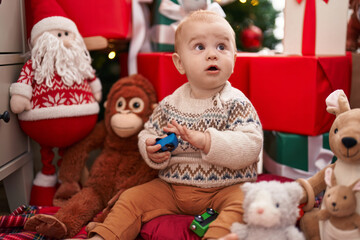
[6,115]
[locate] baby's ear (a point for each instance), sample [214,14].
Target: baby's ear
[178,63]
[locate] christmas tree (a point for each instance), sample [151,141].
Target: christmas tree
[243,13]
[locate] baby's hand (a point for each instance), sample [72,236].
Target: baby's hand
[197,139]
[151,149]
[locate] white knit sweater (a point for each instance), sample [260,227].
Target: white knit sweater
[236,138]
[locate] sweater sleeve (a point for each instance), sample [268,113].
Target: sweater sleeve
[153,128]
[23,86]
[241,145]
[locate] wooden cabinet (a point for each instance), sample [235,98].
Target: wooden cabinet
[16,163]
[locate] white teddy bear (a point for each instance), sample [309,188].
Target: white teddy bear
[270,211]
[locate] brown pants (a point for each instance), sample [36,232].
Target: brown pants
[142,203]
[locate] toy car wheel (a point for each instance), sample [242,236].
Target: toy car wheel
[170,147]
[199,218]
[210,211]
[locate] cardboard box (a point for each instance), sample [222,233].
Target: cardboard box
[315,27]
[296,156]
[110,19]
[289,92]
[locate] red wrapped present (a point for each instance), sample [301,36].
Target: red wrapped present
[110,19]
[289,92]
[159,68]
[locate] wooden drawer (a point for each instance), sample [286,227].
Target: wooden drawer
[12,26]
[13,142]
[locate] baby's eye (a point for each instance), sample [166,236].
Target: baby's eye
[220,47]
[199,47]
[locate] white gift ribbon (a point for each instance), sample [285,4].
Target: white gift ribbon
[318,158]
[140,37]
[164,34]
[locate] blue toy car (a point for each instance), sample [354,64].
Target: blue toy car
[168,143]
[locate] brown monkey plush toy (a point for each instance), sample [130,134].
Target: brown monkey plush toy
[119,166]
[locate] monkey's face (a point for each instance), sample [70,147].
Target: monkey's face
[129,109]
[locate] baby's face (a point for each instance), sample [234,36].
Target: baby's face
[207,53]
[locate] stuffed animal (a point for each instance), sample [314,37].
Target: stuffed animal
[270,211]
[353,27]
[119,166]
[56,94]
[344,137]
[340,204]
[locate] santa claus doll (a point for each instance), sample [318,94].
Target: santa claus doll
[56,96]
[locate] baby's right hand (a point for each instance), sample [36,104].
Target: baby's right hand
[151,149]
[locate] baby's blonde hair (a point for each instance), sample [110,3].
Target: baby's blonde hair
[201,16]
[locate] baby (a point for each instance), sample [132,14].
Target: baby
[220,139]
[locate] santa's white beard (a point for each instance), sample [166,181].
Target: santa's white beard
[72,64]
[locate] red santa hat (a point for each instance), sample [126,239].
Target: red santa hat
[48,15]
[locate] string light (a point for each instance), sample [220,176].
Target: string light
[242,1]
[254,2]
[111,55]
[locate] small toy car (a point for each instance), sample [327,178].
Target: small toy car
[168,143]
[201,222]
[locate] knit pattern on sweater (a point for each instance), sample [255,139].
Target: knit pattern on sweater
[223,112]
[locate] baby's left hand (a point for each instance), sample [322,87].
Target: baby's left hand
[197,139]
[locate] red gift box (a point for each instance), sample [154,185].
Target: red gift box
[110,19]
[289,92]
[159,68]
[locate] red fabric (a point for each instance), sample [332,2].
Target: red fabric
[60,132]
[42,9]
[42,196]
[289,92]
[11,226]
[309,28]
[158,67]
[169,227]
[110,18]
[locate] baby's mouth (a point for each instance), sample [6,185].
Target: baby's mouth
[212,68]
